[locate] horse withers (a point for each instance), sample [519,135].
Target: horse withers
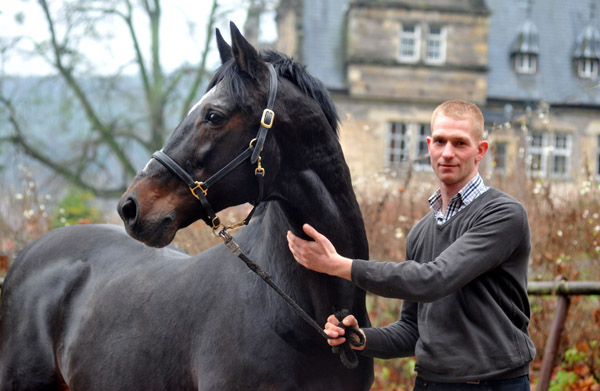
[89,308]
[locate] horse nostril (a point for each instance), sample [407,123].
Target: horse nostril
[129,211]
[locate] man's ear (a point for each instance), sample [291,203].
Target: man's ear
[481,150]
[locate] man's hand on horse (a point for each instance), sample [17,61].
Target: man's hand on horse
[319,255]
[336,333]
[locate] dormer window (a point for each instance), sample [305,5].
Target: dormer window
[587,68]
[526,49]
[586,55]
[525,63]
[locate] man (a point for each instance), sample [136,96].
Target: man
[464,284]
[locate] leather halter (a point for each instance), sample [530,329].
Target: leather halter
[200,189]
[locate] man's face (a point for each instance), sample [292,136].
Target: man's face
[455,151]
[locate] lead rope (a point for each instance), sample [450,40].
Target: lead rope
[347,354]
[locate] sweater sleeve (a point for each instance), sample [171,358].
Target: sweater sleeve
[488,241]
[396,340]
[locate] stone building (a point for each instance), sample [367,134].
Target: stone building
[531,65]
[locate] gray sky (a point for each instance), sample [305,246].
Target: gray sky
[180,43]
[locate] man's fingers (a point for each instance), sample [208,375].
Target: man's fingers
[336,341]
[350,320]
[313,233]
[332,329]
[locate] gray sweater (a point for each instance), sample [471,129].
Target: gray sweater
[466,312]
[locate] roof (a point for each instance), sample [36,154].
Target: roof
[323,43]
[527,40]
[588,43]
[559,24]
[461,6]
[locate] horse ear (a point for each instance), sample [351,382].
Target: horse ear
[244,54]
[224,48]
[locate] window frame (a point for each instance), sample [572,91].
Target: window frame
[598,156]
[584,65]
[499,156]
[528,67]
[564,152]
[422,131]
[415,36]
[441,39]
[537,150]
[548,151]
[397,154]
[414,135]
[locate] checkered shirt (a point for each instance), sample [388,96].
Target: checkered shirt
[461,200]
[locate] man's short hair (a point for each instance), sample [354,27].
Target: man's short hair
[460,110]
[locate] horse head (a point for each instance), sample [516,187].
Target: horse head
[228,124]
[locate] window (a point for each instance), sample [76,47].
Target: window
[436,46]
[587,68]
[598,156]
[550,158]
[409,43]
[526,63]
[434,38]
[398,143]
[400,147]
[536,159]
[499,157]
[422,150]
[560,158]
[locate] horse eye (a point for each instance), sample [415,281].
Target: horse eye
[214,118]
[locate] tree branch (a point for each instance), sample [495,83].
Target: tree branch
[201,72]
[136,47]
[19,140]
[67,74]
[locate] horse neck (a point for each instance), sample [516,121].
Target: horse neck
[319,194]
[316,293]
[327,202]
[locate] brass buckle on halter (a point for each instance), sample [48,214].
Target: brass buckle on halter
[198,186]
[216,223]
[271,118]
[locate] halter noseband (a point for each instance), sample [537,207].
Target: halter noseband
[200,189]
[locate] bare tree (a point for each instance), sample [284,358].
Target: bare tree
[109,137]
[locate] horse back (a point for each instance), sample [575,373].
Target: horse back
[46,293]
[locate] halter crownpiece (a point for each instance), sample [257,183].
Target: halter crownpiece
[200,189]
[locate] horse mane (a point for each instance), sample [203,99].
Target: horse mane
[287,68]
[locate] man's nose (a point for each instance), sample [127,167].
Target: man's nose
[448,151]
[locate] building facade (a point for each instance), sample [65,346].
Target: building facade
[531,65]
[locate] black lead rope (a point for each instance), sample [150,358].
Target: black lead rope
[347,354]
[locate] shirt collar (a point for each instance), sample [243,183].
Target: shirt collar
[467,194]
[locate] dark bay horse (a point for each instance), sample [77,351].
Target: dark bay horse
[88,308]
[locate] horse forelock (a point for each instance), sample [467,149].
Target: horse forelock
[286,67]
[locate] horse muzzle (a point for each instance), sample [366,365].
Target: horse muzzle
[156,229]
